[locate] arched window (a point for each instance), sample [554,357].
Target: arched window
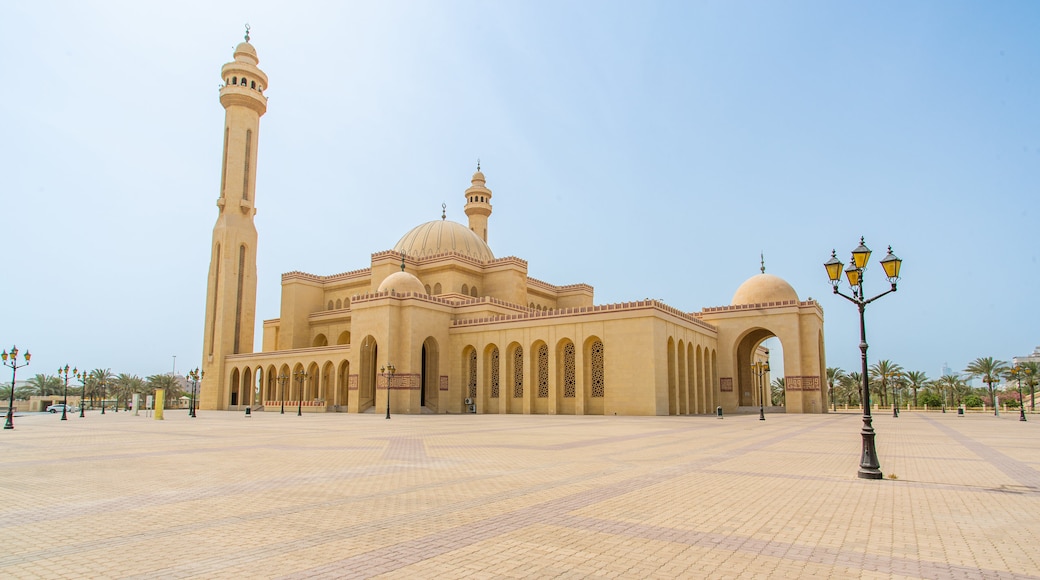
[543,371]
[428,291]
[518,373]
[494,373]
[252,84]
[473,291]
[568,371]
[234,80]
[597,369]
[330,305]
[339,304]
[472,374]
[465,289]
[437,288]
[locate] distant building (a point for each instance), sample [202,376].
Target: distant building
[1035,357]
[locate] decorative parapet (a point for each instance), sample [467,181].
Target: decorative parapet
[760,305]
[542,285]
[562,312]
[370,296]
[353,274]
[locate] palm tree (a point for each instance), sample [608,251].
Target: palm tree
[45,385]
[1032,377]
[126,385]
[953,389]
[168,383]
[916,380]
[777,392]
[989,370]
[886,373]
[851,386]
[99,381]
[834,376]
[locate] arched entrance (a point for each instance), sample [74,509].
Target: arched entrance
[753,389]
[429,383]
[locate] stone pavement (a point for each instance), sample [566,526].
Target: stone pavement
[512,496]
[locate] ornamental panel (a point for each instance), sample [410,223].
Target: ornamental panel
[543,372]
[597,369]
[568,371]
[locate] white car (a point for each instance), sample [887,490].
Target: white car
[59,407]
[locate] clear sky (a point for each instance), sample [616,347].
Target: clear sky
[650,149]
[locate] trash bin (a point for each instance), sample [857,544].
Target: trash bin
[249,412]
[960,411]
[718,411]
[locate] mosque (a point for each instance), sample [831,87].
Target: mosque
[438,324]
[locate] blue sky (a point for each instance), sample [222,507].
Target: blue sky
[649,149]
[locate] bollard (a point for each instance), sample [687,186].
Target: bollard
[248,412]
[718,411]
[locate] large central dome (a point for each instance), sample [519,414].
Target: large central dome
[440,236]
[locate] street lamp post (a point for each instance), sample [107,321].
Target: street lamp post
[104,391]
[300,376]
[1017,373]
[282,379]
[869,468]
[760,369]
[82,376]
[193,376]
[11,360]
[388,374]
[64,372]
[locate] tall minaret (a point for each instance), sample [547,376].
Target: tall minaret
[231,290]
[478,204]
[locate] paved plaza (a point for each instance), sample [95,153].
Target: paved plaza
[514,496]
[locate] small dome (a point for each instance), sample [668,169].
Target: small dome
[245,52]
[401,282]
[762,288]
[440,236]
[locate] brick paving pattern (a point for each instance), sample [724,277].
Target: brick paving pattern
[513,496]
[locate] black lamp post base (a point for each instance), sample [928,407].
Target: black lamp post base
[869,473]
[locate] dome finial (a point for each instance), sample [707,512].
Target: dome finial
[444,210]
[402,261]
[762,256]
[247,32]
[478,163]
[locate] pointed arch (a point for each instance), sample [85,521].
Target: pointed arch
[540,376]
[492,378]
[344,337]
[594,376]
[515,372]
[680,371]
[469,366]
[566,377]
[320,340]
[429,388]
[673,395]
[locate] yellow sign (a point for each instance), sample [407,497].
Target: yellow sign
[159,404]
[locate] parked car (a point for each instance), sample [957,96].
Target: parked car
[59,407]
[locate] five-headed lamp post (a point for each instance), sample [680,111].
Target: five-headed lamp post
[869,468]
[388,374]
[301,377]
[760,369]
[82,376]
[282,379]
[193,376]
[1018,372]
[64,373]
[11,360]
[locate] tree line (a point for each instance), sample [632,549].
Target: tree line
[891,384]
[100,385]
